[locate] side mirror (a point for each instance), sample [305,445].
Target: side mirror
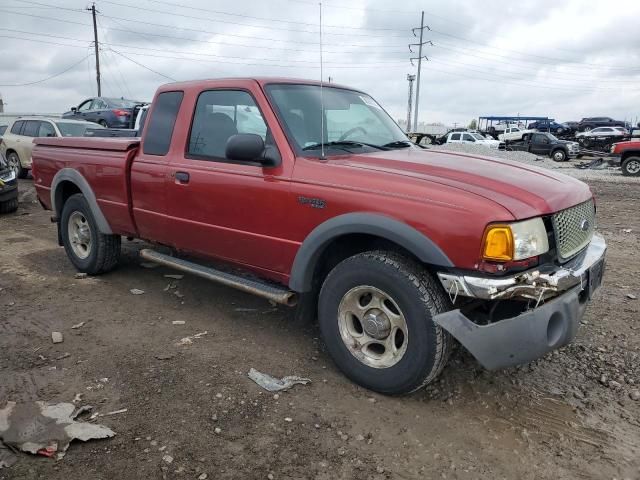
[74,109]
[249,147]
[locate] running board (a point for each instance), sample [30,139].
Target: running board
[265,290]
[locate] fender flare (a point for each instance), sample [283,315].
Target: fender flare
[301,278]
[75,177]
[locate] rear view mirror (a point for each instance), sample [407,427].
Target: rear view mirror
[249,147]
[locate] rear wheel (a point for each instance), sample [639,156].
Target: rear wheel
[631,167]
[103,123]
[89,250]
[376,314]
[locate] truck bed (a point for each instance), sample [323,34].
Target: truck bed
[108,158]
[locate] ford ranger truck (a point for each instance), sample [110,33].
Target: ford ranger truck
[271,187]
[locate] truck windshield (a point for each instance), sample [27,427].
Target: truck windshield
[353,121]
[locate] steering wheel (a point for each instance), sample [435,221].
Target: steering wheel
[351,131]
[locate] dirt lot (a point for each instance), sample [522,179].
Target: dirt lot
[569,415]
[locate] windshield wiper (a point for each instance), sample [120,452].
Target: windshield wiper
[398,144]
[343,143]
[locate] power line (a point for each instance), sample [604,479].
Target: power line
[47,78]
[315,32]
[144,66]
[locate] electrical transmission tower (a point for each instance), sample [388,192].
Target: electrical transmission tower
[419,59]
[411,79]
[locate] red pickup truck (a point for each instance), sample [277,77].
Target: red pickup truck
[306,193]
[629,154]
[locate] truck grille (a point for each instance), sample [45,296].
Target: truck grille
[573,228]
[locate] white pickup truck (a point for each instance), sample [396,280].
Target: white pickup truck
[474,138]
[512,134]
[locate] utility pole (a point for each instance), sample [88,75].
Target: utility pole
[419,58]
[95,42]
[411,79]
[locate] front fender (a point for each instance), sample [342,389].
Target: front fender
[304,265]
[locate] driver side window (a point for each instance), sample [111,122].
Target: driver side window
[85,106]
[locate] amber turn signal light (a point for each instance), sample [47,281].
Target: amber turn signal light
[498,243]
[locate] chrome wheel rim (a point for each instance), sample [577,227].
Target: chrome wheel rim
[14,163]
[372,327]
[633,166]
[558,156]
[79,235]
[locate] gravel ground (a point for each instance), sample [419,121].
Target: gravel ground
[192,412]
[603,173]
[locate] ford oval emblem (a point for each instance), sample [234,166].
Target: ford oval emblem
[584,225]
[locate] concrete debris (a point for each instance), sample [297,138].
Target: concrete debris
[203,476]
[626,230]
[80,275]
[108,414]
[63,356]
[634,395]
[78,398]
[272,384]
[164,356]
[78,325]
[174,276]
[631,296]
[178,322]
[136,291]
[189,340]
[56,337]
[45,429]
[167,459]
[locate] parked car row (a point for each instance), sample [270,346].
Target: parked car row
[16,143]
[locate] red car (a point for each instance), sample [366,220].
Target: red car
[629,153]
[317,194]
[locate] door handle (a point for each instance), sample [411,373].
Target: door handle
[182,177]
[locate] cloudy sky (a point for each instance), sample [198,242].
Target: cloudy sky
[563,58]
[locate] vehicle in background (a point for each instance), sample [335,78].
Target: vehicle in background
[590,123]
[629,155]
[549,126]
[512,134]
[545,143]
[121,132]
[495,125]
[571,126]
[604,132]
[3,128]
[475,139]
[108,112]
[17,141]
[398,249]
[8,187]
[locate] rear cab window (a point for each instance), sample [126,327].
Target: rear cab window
[162,121]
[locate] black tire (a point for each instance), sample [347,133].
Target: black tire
[104,253]
[631,167]
[9,206]
[103,123]
[14,163]
[419,298]
[558,155]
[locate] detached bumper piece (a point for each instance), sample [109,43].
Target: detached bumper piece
[521,339]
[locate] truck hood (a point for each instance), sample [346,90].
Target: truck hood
[525,191]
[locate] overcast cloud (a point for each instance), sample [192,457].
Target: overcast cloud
[563,58]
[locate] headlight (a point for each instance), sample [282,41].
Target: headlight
[515,241]
[613,148]
[9,176]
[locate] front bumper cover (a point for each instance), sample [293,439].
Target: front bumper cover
[533,333]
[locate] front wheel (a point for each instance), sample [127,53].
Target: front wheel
[103,123]
[89,250]
[9,206]
[376,314]
[631,167]
[559,155]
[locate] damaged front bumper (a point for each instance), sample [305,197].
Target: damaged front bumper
[560,297]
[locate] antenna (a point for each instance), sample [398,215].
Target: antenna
[322,156]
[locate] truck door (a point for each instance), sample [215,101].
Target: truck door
[539,144]
[150,169]
[225,209]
